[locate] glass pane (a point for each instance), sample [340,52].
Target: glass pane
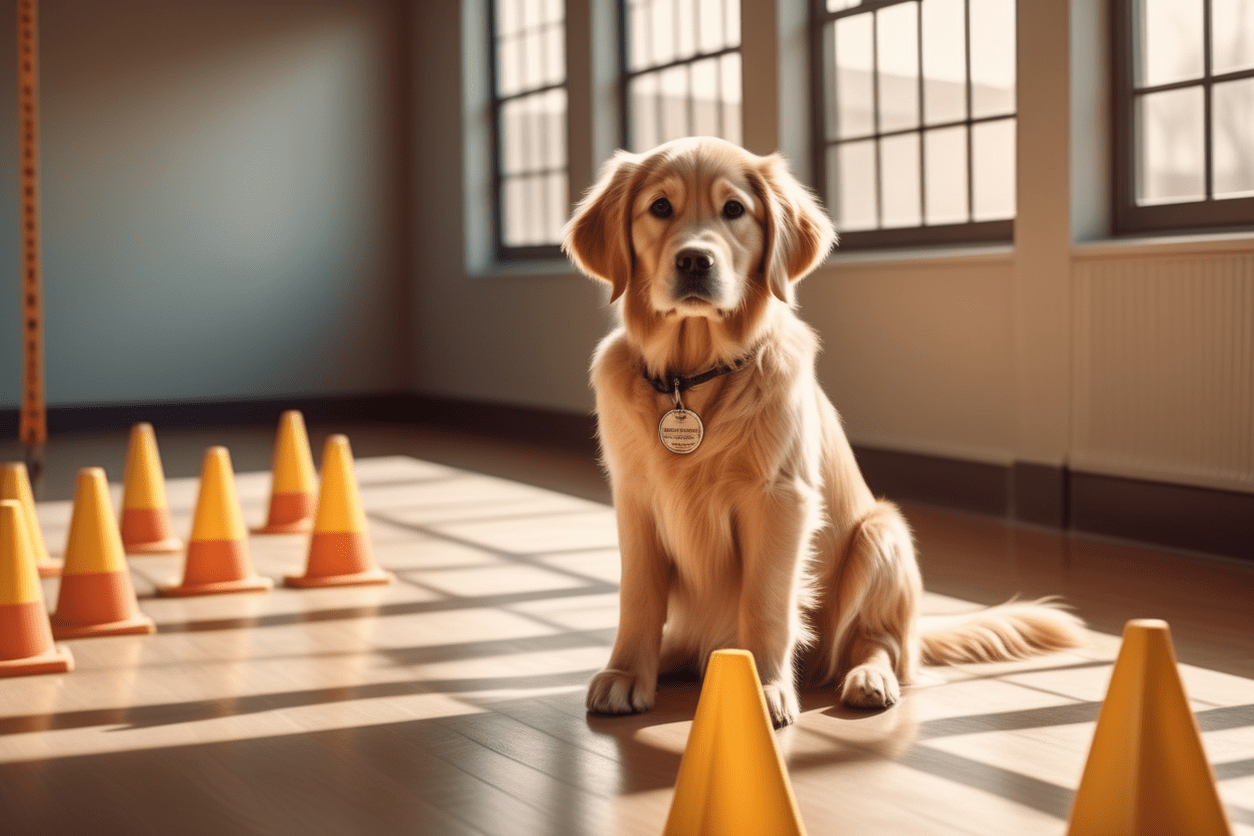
[732,20]
[710,25]
[993,161]
[706,102]
[851,177]
[685,28]
[557,206]
[944,61]
[992,57]
[839,5]
[729,66]
[509,66]
[673,84]
[554,55]
[554,11]
[945,176]
[553,117]
[899,159]
[855,114]
[507,22]
[517,201]
[662,32]
[897,54]
[1233,114]
[1232,35]
[643,95]
[638,33]
[1170,41]
[1170,132]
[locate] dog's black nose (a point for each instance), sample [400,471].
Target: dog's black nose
[693,262]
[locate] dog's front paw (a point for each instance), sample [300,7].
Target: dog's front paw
[870,686]
[781,702]
[619,692]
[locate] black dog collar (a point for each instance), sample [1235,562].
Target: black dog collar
[672,384]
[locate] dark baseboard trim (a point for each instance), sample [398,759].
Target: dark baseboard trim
[1177,516]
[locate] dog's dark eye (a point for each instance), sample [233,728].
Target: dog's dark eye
[661,208]
[733,209]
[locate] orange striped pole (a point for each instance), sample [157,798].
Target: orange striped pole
[33,425]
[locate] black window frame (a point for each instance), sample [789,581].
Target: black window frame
[970,232]
[505,252]
[1189,216]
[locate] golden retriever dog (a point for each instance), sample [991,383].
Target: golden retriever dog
[743,520]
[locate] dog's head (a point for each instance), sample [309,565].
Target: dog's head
[698,227]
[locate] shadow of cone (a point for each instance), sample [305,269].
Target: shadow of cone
[96,596]
[1146,771]
[26,645]
[15,484]
[218,560]
[146,527]
[732,779]
[293,491]
[340,553]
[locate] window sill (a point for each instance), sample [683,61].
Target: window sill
[1164,245]
[950,254]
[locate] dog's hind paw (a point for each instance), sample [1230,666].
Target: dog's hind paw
[870,686]
[619,692]
[782,704]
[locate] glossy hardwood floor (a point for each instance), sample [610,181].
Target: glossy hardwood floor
[451,702]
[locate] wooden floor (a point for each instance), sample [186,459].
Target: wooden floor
[451,702]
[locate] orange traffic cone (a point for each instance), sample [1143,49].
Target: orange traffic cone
[732,779]
[146,526]
[15,484]
[339,550]
[25,637]
[96,596]
[1146,771]
[293,492]
[218,560]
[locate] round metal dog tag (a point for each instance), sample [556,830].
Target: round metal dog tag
[680,431]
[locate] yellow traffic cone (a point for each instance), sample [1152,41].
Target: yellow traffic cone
[96,596]
[732,779]
[15,484]
[145,525]
[218,560]
[340,553]
[294,490]
[1146,771]
[26,645]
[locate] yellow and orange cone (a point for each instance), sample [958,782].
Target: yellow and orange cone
[15,484]
[146,527]
[218,560]
[294,490]
[26,645]
[96,596]
[1146,771]
[340,553]
[732,779]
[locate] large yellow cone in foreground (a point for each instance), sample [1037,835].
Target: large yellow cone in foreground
[15,484]
[340,553]
[96,596]
[218,559]
[25,638]
[732,779]
[1146,772]
[294,483]
[145,525]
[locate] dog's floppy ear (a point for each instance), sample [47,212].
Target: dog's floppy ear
[799,234]
[598,236]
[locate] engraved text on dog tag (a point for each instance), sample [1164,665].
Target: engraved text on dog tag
[680,430]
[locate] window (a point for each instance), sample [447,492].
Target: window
[681,70]
[915,127]
[529,126]
[1184,114]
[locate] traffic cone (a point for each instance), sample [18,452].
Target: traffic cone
[15,484]
[293,491]
[732,779]
[218,560]
[340,553]
[1146,771]
[25,638]
[96,596]
[146,526]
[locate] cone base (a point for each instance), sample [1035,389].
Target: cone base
[370,576]
[50,568]
[253,584]
[169,545]
[136,625]
[57,660]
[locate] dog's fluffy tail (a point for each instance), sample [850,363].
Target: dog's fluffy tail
[1012,630]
